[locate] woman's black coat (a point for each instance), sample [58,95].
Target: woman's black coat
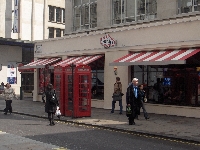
[50,107]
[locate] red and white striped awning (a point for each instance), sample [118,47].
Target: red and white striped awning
[41,63]
[164,57]
[77,60]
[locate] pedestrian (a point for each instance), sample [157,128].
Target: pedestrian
[51,103]
[141,95]
[117,90]
[9,95]
[2,84]
[132,100]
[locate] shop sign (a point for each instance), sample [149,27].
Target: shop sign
[107,41]
[38,48]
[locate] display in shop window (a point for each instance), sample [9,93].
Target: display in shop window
[11,73]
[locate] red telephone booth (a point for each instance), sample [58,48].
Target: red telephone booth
[82,91]
[59,86]
[77,90]
[68,90]
[74,91]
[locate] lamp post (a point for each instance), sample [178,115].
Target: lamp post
[72,67]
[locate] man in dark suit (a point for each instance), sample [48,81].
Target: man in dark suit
[133,100]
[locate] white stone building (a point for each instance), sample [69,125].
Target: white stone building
[160,36]
[23,21]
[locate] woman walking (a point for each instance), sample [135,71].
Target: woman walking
[141,95]
[51,103]
[9,96]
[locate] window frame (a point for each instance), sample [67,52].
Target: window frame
[51,13]
[181,9]
[58,29]
[85,15]
[51,33]
[125,13]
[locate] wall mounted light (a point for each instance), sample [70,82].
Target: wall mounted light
[115,70]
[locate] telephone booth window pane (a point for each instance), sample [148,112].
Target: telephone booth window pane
[70,92]
[83,92]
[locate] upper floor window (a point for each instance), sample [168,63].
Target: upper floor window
[51,13]
[56,14]
[133,10]
[58,32]
[85,14]
[63,15]
[51,32]
[186,6]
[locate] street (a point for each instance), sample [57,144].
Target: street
[78,137]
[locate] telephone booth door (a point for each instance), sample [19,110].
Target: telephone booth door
[59,85]
[82,91]
[68,98]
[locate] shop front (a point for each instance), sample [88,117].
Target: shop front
[163,61]
[170,77]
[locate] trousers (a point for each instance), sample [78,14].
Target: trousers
[51,117]
[8,106]
[144,109]
[120,105]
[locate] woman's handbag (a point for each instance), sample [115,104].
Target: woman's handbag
[117,96]
[145,99]
[58,113]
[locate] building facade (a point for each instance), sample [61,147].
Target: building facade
[28,20]
[32,19]
[155,41]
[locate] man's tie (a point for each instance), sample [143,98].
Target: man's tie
[135,91]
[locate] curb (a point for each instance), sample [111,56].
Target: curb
[149,135]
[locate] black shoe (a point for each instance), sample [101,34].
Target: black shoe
[112,112]
[53,123]
[5,113]
[120,113]
[131,123]
[58,117]
[146,118]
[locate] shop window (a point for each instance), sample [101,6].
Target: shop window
[170,84]
[58,14]
[51,32]
[97,84]
[51,13]
[133,10]
[97,68]
[85,14]
[58,32]
[186,6]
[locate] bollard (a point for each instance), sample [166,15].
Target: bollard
[21,94]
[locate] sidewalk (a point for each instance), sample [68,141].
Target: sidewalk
[158,125]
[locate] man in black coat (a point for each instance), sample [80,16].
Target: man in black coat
[132,99]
